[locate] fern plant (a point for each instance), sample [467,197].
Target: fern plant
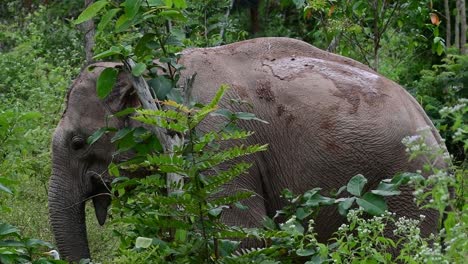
[184,224]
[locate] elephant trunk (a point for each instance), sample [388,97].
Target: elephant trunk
[67,217]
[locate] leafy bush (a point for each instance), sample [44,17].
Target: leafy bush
[443,92]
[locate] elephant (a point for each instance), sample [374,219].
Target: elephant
[330,118]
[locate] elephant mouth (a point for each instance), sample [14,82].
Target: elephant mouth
[100,194]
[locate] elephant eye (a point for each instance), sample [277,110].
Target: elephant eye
[77,142]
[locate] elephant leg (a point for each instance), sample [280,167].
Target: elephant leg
[252,216]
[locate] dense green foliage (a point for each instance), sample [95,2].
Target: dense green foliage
[42,51]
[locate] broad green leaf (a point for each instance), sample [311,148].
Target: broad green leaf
[162,86]
[356,184]
[181,4]
[303,252]
[121,134]
[268,223]
[344,204]
[141,48]
[32,242]
[240,206]
[96,135]
[223,112]
[215,211]
[113,170]
[90,12]
[168,3]
[138,69]
[317,199]
[122,23]
[106,18]
[143,242]
[180,235]
[372,203]
[106,81]
[6,229]
[132,7]
[386,189]
[227,247]
[301,214]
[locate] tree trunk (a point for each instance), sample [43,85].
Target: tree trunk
[448,27]
[457,26]
[462,27]
[376,39]
[88,31]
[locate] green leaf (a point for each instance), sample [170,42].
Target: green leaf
[138,69]
[216,211]
[6,229]
[356,184]
[90,12]
[96,135]
[248,116]
[5,189]
[121,134]
[372,203]
[180,4]
[143,242]
[180,235]
[268,223]
[31,115]
[132,7]
[125,112]
[173,14]
[301,214]
[162,86]
[32,242]
[386,189]
[317,199]
[106,18]
[303,252]
[141,48]
[344,204]
[113,170]
[114,50]
[240,206]
[227,247]
[106,81]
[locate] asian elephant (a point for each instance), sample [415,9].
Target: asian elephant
[330,118]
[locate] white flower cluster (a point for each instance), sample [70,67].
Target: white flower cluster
[414,143]
[462,103]
[459,132]
[407,227]
[428,254]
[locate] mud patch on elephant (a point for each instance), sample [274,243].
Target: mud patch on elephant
[290,118]
[264,91]
[333,147]
[328,124]
[241,91]
[280,110]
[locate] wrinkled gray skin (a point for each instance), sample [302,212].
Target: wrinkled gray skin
[330,119]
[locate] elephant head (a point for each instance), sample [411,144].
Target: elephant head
[79,171]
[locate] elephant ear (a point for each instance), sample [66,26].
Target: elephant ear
[123,94]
